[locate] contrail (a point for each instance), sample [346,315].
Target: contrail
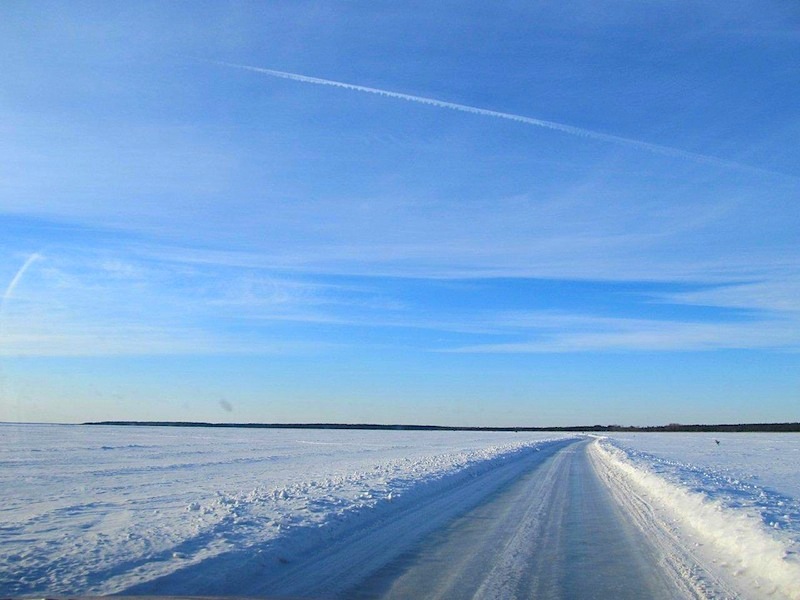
[16,279]
[6,295]
[569,129]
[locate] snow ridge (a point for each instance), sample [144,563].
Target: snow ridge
[721,547]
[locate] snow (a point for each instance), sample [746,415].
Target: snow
[768,461]
[101,510]
[98,510]
[732,507]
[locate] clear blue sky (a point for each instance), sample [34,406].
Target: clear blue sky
[183,238]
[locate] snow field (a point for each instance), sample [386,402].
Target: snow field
[97,510]
[712,537]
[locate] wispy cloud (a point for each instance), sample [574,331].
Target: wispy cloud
[585,333]
[93,303]
[88,302]
[777,295]
[553,125]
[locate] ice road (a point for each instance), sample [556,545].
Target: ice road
[554,533]
[549,524]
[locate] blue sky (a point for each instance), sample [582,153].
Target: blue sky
[605,229]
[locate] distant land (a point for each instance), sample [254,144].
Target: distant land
[674,427]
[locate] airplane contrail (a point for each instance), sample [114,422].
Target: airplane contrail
[16,279]
[564,128]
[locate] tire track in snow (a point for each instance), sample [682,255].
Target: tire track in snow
[556,532]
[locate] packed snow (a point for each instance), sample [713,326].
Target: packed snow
[729,502]
[97,510]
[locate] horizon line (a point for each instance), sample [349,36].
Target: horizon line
[783,426]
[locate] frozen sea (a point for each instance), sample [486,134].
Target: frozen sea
[101,510]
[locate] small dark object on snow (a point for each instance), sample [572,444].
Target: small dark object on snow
[717,442]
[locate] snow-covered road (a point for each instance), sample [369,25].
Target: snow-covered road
[554,533]
[360,514]
[544,525]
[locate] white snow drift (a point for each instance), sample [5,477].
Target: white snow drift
[717,531]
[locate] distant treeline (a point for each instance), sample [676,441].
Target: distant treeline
[741,427]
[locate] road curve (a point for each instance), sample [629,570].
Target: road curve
[555,532]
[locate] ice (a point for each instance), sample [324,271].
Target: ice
[95,510]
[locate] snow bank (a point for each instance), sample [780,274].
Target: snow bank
[724,531]
[741,462]
[96,510]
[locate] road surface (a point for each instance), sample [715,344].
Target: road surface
[543,525]
[553,533]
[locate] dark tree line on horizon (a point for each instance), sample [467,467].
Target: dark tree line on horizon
[672,427]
